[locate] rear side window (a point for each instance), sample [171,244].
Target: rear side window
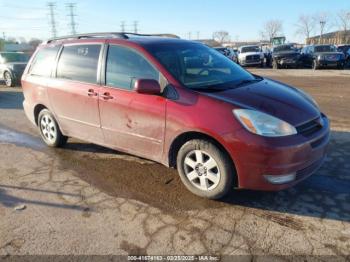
[43,61]
[124,66]
[79,63]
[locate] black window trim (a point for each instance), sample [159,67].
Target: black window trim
[98,74]
[104,67]
[54,63]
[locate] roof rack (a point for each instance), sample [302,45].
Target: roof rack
[89,35]
[122,35]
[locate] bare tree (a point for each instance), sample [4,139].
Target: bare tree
[34,42]
[271,29]
[343,19]
[221,36]
[323,22]
[305,26]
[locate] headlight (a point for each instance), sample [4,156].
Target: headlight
[263,124]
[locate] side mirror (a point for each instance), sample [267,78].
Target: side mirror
[147,86]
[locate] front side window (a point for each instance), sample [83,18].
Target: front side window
[79,63]
[124,66]
[44,61]
[197,66]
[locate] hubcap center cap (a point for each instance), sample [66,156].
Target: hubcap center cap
[201,170]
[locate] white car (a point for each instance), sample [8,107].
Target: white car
[250,55]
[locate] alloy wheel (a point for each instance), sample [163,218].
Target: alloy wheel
[48,128]
[8,79]
[201,170]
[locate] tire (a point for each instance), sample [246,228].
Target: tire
[314,65]
[9,81]
[204,169]
[340,66]
[275,65]
[49,129]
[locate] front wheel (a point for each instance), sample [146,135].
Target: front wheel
[49,129]
[9,81]
[275,65]
[204,169]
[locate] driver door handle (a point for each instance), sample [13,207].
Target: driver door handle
[106,96]
[91,92]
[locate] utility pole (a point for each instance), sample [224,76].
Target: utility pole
[198,35]
[71,7]
[51,6]
[136,23]
[122,26]
[322,25]
[189,35]
[4,36]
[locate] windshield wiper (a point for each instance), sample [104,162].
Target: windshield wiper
[248,81]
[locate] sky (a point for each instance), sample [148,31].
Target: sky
[243,19]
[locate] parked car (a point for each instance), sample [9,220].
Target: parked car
[228,52]
[179,103]
[284,56]
[12,65]
[346,50]
[322,56]
[250,55]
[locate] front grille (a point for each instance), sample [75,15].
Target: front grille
[252,58]
[310,127]
[331,57]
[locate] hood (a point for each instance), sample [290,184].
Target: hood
[249,53]
[328,53]
[274,98]
[17,63]
[285,53]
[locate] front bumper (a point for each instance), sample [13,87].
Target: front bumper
[250,63]
[327,63]
[288,62]
[256,157]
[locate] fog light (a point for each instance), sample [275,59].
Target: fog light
[280,179]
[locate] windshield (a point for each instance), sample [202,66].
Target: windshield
[247,49]
[13,57]
[283,48]
[324,48]
[199,67]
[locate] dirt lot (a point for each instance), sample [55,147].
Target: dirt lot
[85,199]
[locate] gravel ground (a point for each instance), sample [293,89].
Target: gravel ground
[85,199]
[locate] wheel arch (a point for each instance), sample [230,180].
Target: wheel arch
[182,138]
[37,110]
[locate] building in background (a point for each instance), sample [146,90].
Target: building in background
[335,38]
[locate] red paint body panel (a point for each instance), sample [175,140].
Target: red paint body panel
[146,125]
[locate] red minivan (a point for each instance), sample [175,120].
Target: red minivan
[179,103]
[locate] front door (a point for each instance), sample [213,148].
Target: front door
[130,121]
[74,92]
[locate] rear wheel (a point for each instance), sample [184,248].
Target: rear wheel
[204,169]
[49,129]
[9,81]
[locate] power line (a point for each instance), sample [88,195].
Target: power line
[72,24]
[51,6]
[136,23]
[122,26]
